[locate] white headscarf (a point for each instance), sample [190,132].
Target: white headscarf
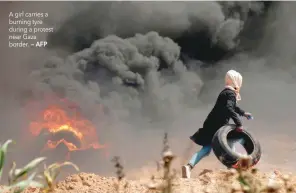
[233,81]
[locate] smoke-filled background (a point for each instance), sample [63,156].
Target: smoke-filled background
[154,67]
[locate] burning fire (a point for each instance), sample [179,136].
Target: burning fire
[54,119]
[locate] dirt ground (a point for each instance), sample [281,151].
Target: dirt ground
[218,181]
[210,178]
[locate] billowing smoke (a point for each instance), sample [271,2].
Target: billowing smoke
[139,49]
[205,30]
[155,66]
[121,68]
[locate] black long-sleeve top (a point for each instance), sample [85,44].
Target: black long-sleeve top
[224,110]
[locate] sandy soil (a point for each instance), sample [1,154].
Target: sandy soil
[218,181]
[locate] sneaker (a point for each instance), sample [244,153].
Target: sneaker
[186,171]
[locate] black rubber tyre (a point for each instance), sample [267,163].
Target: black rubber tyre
[225,154]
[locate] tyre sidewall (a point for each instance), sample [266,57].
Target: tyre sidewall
[225,154]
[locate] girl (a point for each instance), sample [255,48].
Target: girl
[224,109]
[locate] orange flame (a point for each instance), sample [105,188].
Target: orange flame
[55,119]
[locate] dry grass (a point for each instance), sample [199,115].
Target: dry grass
[165,185]
[119,175]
